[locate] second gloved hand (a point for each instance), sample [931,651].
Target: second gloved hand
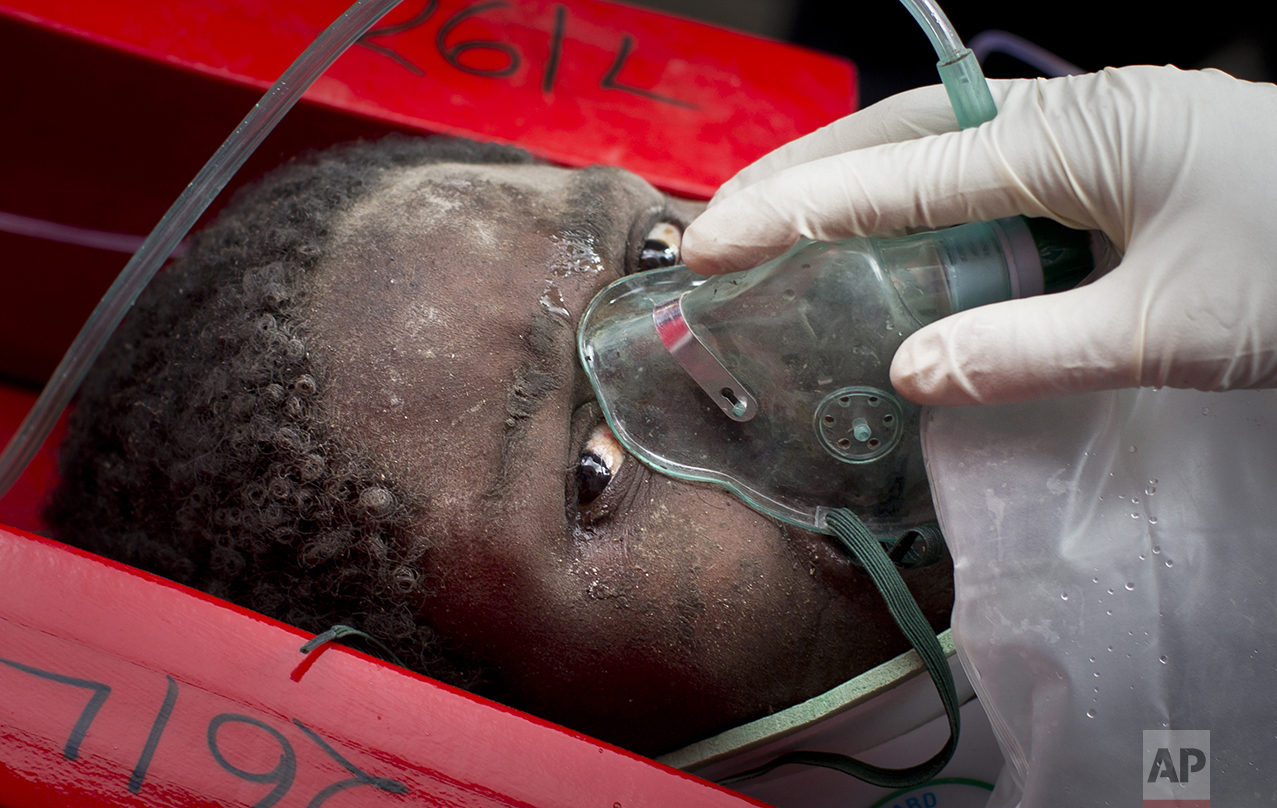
[1178,168]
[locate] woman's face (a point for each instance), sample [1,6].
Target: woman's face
[642,610]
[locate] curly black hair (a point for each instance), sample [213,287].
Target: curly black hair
[200,450]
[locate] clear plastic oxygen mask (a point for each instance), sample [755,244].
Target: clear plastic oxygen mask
[774,382]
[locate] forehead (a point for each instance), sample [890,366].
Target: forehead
[477,201]
[451,296]
[447,195]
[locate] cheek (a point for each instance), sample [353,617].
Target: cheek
[495,603]
[692,562]
[501,566]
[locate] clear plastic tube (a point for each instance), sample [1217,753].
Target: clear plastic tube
[32,227]
[939,30]
[168,234]
[1032,54]
[958,67]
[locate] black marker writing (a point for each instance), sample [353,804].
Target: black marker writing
[399,28]
[100,691]
[283,773]
[612,81]
[282,776]
[452,55]
[153,739]
[556,47]
[361,777]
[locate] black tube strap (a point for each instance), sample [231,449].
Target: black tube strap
[866,548]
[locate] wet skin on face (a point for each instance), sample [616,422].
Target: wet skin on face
[651,615]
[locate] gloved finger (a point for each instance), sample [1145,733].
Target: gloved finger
[1150,322]
[1019,163]
[907,116]
[872,190]
[1022,350]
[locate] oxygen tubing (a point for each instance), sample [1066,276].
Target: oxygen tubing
[181,217]
[958,67]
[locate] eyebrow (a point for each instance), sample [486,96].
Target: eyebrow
[535,381]
[593,192]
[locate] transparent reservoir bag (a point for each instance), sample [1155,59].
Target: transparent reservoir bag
[774,382]
[1114,566]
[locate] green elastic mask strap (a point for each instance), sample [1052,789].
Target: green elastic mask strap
[868,550]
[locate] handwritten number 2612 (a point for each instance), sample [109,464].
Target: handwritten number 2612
[509,60]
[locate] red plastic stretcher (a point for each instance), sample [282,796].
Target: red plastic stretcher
[118,688]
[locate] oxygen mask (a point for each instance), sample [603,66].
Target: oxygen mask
[774,382]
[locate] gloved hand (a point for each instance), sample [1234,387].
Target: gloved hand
[1178,168]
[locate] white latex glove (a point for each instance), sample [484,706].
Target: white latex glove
[1178,168]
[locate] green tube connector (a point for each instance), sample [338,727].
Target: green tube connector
[968,91]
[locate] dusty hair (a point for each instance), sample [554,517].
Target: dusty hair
[199,448]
